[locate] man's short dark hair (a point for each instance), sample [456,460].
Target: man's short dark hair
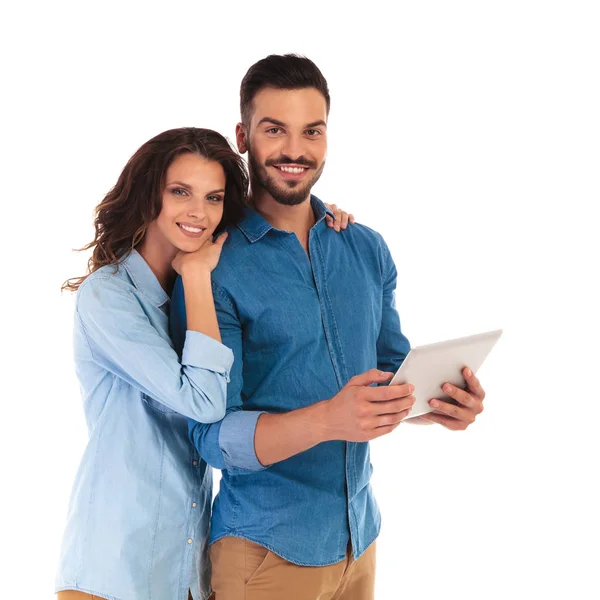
[282,72]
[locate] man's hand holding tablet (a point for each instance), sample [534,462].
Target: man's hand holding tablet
[446,388]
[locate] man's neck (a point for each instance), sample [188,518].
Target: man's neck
[296,219]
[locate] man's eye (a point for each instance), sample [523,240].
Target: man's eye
[274,130]
[313,132]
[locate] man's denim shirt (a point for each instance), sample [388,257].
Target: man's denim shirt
[299,329]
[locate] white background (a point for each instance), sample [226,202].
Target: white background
[468,133]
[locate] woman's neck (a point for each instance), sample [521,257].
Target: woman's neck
[159,255]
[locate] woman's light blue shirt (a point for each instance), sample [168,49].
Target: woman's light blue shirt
[138,519]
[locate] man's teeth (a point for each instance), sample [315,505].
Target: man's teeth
[191,229]
[292,169]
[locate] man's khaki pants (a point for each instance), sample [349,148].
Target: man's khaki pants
[243,570]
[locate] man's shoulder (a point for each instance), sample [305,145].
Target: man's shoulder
[361,245]
[363,240]
[236,240]
[364,233]
[358,232]
[234,250]
[235,256]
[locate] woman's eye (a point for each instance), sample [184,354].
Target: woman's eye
[215,198]
[179,192]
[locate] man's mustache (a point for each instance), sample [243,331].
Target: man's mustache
[285,160]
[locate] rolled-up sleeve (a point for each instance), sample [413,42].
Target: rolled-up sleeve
[123,341]
[236,440]
[229,444]
[204,352]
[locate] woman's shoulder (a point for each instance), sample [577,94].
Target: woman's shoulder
[104,287]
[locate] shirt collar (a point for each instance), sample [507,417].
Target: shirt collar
[254,226]
[144,279]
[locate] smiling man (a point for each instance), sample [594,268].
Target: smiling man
[287,179]
[310,317]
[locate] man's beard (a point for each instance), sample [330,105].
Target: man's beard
[289,193]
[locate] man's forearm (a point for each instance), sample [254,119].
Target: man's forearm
[199,304]
[280,436]
[357,413]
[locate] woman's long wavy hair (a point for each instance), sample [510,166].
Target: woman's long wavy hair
[122,218]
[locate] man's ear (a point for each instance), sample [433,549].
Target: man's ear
[241,138]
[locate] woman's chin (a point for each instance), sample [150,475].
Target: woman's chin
[189,246]
[186,244]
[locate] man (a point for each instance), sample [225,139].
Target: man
[311,320]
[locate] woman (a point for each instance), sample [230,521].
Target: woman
[137,526]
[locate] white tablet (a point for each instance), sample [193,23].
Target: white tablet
[428,367]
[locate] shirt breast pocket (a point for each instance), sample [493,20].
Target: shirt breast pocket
[158,406]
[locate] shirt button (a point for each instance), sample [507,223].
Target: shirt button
[190,541]
[195,463]
[194,505]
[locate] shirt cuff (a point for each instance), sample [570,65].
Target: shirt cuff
[204,352]
[236,440]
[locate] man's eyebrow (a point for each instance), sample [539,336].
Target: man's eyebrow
[316,124]
[271,120]
[319,123]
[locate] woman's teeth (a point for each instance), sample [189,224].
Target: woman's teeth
[191,229]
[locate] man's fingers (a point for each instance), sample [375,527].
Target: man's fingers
[394,406]
[387,425]
[473,384]
[387,420]
[464,398]
[461,396]
[445,421]
[451,410]
[369,377]
[390,392]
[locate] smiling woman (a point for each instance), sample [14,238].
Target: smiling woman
[149,538]
[153,187]
[194,211]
